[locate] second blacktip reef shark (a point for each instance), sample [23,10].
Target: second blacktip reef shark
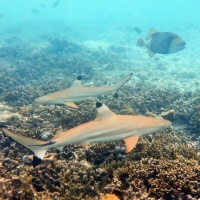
[77,92]
[107,127]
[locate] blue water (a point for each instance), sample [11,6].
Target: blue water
[112,22]
[105,23]
[34,17]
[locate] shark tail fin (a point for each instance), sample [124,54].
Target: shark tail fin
[38,147]
[119,84]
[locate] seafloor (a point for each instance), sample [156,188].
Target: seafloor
[165,165]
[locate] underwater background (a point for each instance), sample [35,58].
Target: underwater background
[45,45]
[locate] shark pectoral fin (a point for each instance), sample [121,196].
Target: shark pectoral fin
[131,142]
[151,53]
[84,144]
[71,104]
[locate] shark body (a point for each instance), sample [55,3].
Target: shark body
[77,92]
[107,127]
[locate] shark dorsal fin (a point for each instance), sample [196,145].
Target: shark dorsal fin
[131,142]
[103,111]
[77,83]
[151,33]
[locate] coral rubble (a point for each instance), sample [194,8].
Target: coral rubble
[165,165]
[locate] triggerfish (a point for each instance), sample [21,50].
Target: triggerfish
[162,43]
[107,127]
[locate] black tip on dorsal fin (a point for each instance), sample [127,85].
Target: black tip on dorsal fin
[98,104]
[36,161]
[79,77]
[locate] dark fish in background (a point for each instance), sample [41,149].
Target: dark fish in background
[162,43]
[1,16]
[35,11]
[55,4]
[132,29]
[137,30]
[42,5]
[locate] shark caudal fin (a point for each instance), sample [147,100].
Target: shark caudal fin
[117,86]
[38,147]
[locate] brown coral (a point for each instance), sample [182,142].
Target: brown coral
[165,165]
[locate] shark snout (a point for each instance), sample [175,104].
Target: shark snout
[37,100]
[40,100]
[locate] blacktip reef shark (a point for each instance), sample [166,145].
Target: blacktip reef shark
[77,92]
[107,127]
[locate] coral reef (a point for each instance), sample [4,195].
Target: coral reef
[162,166]
[8,114]
[165,165]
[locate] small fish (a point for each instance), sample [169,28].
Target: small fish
[77,92]
[107,127]
[42,5]
[35,11]
[55,4]
[137,30]
[162,43]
